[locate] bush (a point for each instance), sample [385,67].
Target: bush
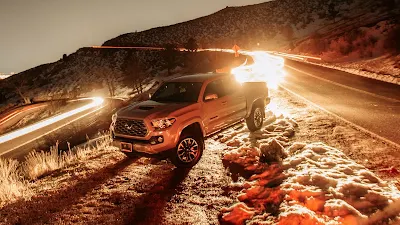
[14,178]
[191,45]
[12,184]
[346,49]
[392,42]
[41,163]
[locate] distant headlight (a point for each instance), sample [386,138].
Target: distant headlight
[160,124]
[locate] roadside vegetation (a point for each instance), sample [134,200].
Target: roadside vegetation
[16,177]
[359,43]
[12,184]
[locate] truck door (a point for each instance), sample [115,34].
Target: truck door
[214,106]
[236,101]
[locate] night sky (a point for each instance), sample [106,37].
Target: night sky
[34,32]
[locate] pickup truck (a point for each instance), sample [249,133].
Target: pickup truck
[184,111]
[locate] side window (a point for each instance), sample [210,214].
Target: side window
[216,87]
[167,90]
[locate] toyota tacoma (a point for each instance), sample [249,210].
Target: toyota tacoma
[185,110]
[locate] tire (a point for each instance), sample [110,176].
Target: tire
[256,119]
[181,155]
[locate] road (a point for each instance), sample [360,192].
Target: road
[9,119]
[18,143]
[370,104]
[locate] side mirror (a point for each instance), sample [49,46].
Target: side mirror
[210,97]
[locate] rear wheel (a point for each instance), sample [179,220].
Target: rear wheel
[188,150]
[256,119]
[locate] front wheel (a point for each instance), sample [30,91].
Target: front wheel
[188,151]
[256,119]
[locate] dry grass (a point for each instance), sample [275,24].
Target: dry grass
[14,176]
[12,184]
[39,164]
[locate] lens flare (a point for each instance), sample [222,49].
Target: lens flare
[266,68]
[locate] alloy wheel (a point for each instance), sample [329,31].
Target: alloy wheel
[188,150]
[258,117]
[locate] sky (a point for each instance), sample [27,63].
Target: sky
[33,32]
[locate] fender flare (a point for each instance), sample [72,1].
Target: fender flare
[186,124]
[256,101]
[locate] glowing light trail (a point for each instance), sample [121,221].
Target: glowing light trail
[44,123]
[301,57]
[16,113]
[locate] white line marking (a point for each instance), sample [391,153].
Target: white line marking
[343,119]
[344,86]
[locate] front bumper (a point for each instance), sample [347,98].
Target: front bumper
[145,146]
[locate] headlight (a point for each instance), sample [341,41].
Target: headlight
[162,123]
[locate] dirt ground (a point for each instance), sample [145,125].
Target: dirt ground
[113,189]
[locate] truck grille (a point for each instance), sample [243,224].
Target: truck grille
[131,127]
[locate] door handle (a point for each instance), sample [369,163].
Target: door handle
[224,102]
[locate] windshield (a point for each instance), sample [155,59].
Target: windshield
[178,92]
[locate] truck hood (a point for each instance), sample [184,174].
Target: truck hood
[154,110]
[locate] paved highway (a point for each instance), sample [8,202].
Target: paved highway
[17,143]
[370,104]
[9,119]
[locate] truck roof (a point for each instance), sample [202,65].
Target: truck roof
[199,77]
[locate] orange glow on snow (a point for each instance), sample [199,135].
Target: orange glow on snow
[18,133]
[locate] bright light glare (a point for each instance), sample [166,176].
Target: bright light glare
[266,68]
[18,133]
[276,110]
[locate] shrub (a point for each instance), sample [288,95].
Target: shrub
[346,49]
[191,45]
[12,184]
[392,42]
[38,164]
[14,178]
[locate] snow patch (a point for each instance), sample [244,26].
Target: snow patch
[301,183]
[330,187]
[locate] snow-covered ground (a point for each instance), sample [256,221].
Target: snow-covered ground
[287,173]
[367,50]
[385,68]
[310,182]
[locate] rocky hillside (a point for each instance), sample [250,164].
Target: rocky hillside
[279,24]
[90,71]
[270,25]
